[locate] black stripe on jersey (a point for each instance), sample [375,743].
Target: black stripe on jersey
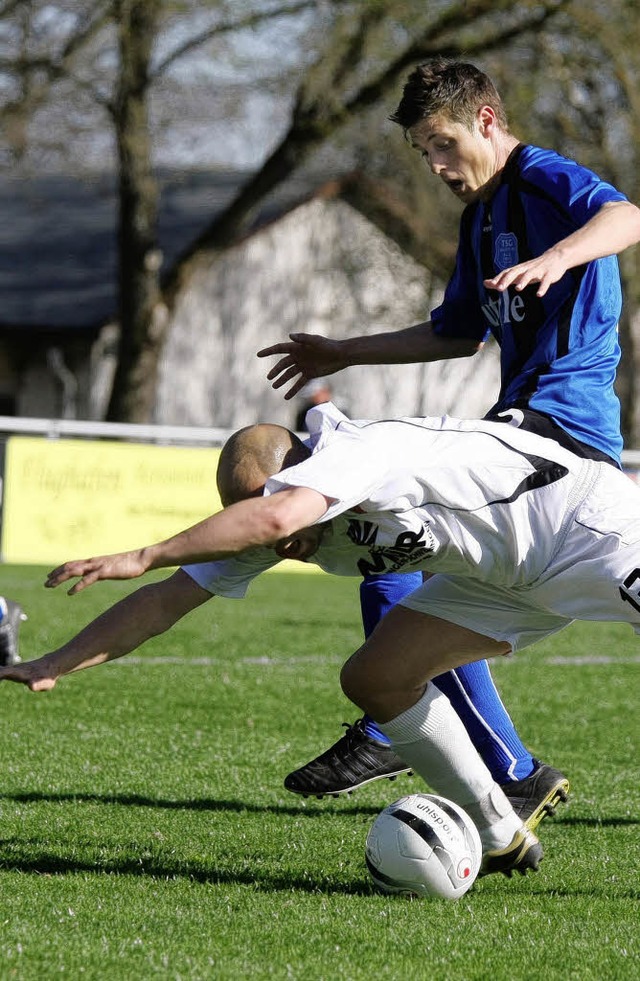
[546,471]
[486,247]
[526,340]
[510,169]
[521,401]
[430,835]
[564,316]
[515,222]
[528,188]
[521,184]
[487,266]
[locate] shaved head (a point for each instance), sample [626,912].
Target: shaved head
[254,454]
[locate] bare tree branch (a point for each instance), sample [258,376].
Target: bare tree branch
[382,205]
[55,68]
[250,20]
[8,8]
[448,43]
[316,116]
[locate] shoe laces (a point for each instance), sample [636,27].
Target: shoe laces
[354,730]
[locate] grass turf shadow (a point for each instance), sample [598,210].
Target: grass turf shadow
[308,808]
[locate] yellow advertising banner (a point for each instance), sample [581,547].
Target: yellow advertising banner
[68,498]
[72,498]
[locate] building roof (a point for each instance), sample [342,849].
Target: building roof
[58,257]
[58,242]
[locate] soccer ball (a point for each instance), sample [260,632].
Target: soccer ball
[424,845]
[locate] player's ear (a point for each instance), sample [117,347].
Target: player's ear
[486,119]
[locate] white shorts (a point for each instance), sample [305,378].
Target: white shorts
[594,575]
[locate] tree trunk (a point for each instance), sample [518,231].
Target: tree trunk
[142,313]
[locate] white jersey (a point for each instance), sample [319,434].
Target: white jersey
[440,494]
[526,536]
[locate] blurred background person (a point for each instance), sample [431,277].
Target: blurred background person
[315,392]
[11,616]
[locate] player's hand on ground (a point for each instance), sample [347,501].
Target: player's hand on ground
[36,675]
[121,565]
[305,356]
[546,270]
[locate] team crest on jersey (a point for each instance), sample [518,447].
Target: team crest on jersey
[506,250]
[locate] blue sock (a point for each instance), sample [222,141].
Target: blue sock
[470,688]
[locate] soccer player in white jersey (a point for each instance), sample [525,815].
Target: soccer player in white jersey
[522,536]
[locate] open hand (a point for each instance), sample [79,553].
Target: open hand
[546,270]
[36,675]
[306,356]
[121,565]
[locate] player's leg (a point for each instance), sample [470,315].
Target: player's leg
[470,688]
[363,755]
[426,731]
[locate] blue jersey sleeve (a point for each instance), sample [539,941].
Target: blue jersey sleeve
[574,189]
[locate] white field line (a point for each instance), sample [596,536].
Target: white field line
[580,659]
[208,662]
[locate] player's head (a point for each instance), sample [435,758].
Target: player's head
[252,455]
[452,114]
[454,89]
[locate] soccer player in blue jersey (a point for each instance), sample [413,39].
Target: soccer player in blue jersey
[536,268]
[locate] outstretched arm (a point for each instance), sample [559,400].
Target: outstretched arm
[256,521]
[614,228]
[149,611]
[307,356]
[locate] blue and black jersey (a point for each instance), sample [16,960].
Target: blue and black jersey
[559,352]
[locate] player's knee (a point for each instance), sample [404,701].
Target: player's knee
[355,681]
[361,683]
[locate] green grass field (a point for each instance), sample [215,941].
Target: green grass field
[146,832]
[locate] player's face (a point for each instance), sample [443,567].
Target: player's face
[302,545]
[463,158]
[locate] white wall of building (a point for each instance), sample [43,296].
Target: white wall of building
[322,268]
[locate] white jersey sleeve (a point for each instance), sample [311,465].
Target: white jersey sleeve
[232,577]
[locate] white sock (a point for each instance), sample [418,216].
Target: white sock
[432,740]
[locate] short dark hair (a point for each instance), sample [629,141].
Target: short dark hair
[454,88]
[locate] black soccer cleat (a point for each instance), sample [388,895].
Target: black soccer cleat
[522,854]
[537,796]
[353,761]
[12,617]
